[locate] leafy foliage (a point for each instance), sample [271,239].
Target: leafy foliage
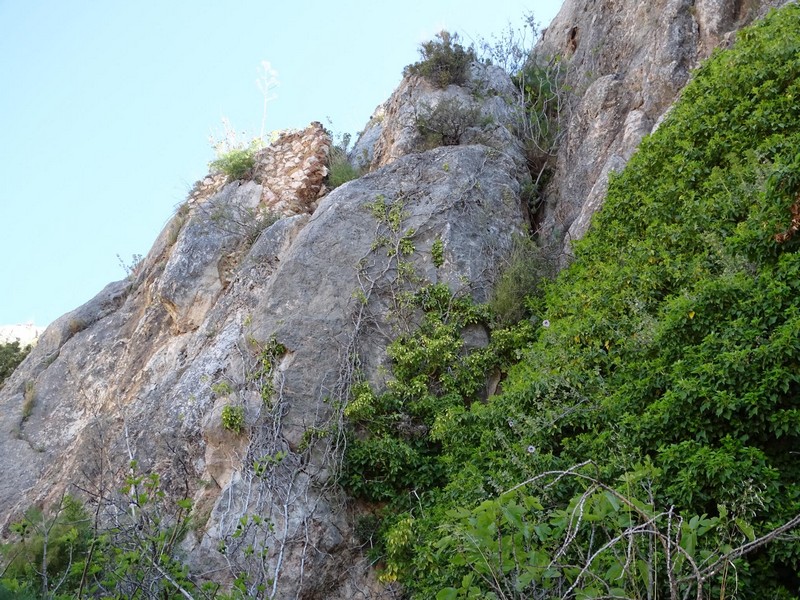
[444,61]
[237,162]
[437,252]
[72,553]
[11,355]
[43,557]
[544,98]
[605,543]
[233,418]
[400,438]
[660,391]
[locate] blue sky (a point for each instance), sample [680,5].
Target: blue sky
[106,109]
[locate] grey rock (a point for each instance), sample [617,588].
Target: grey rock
[278,320]
[625,62]
[195,273]
[393,132]
[363,152]
[146,369]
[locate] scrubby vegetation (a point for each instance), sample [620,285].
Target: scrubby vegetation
[445,123]
[11,355]
[235,163]
[631,428]
[544,97]
[443,61]
[233,418]
[126,546]
[235,154]
[643,444]
[340,169]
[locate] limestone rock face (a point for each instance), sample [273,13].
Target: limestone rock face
[626,61]
[393,132]
[231,315]
[225,360]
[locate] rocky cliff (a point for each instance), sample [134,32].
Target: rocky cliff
[624,62]
[224,361]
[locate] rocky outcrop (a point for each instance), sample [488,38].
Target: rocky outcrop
[224,361]
[488,105]
[625,62]
[292,170]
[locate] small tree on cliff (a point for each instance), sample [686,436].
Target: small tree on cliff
[444,61]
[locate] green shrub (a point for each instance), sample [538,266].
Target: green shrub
[658,395]
[443,61]
[233,418]
[544,98]
[445,123]
[527,268]
[340,169]
[237,163]
[437,252]
[11,589]
[58,542]
[270,354]
[11,355]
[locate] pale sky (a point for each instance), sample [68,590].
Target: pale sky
[106,107]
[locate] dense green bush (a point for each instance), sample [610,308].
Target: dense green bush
[663,376]
[444,61]
[236,163]
[233,418]
[11,355]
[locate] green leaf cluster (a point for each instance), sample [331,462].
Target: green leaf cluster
[73,552]
[11,355]
[236,163]
[233,418]
[671,346]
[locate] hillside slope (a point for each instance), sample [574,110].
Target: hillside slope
[645,444]
[221,366]
[293,395]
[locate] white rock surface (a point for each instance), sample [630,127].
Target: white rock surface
[24,333]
